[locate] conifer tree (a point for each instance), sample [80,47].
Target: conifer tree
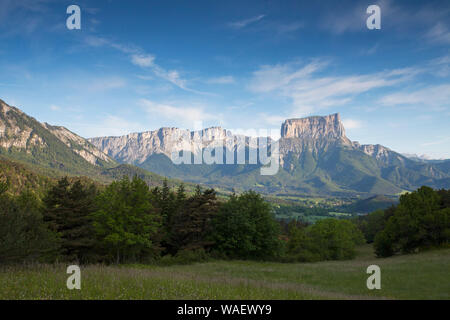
[67,210]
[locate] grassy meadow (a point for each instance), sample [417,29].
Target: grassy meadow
[416,276]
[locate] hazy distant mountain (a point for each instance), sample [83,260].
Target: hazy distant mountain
[370,204]
[423,157]
[316,157]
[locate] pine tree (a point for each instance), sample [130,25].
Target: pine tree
[193,224]
[23,234]
[67,210]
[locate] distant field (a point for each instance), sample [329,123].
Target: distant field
[340,214]
[417,276]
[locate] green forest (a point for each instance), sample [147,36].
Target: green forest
[76,220]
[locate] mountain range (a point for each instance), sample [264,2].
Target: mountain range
[54,151]
[315,157]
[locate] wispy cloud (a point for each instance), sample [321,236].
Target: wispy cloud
[352,123]
[340,21]
[436,142]
[437,97]
[105,84]
[310,91]
[185,116]
[394,17]
[243,23]
[221,80]
[23,17]
[440,66]
[142,59]
[439,33]
[111,125]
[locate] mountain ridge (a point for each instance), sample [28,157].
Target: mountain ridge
[43,150]
[315,157]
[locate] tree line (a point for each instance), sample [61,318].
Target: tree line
[420,221]
[127,221]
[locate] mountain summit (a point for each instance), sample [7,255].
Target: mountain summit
[25,139]
[316,157]
[316,127]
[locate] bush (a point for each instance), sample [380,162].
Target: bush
[245,228]
[126,223]
[184,257]
[371,224]
[419,221]
[327,239]
[23,234]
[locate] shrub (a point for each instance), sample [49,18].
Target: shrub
[23,234]
[245,228]
[419,221]
[327,239]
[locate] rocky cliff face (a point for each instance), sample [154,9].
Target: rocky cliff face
[315,154]
[318,133]
[380,153]
[313,134]
[24,133]
[78,144]
[13,133]
[314,128]
[138,147]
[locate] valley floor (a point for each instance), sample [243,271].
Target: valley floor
[416,276]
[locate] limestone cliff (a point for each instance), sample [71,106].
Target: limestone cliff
[22,133]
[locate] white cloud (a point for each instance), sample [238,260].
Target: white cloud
[439,34]
[55,108]
[310,92]
[222,80]
[437,96]
[110,125]
[349,20]
[352,123]
[243,23]
[441,66]
[271,120]
[186,116]
[142,60]
[269,78]
[436,142]
[105,84]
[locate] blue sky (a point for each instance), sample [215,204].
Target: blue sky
[140,65]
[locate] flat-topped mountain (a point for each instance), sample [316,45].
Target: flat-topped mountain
[316,157]
[316,127]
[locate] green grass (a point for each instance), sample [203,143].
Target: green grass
[416,276]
